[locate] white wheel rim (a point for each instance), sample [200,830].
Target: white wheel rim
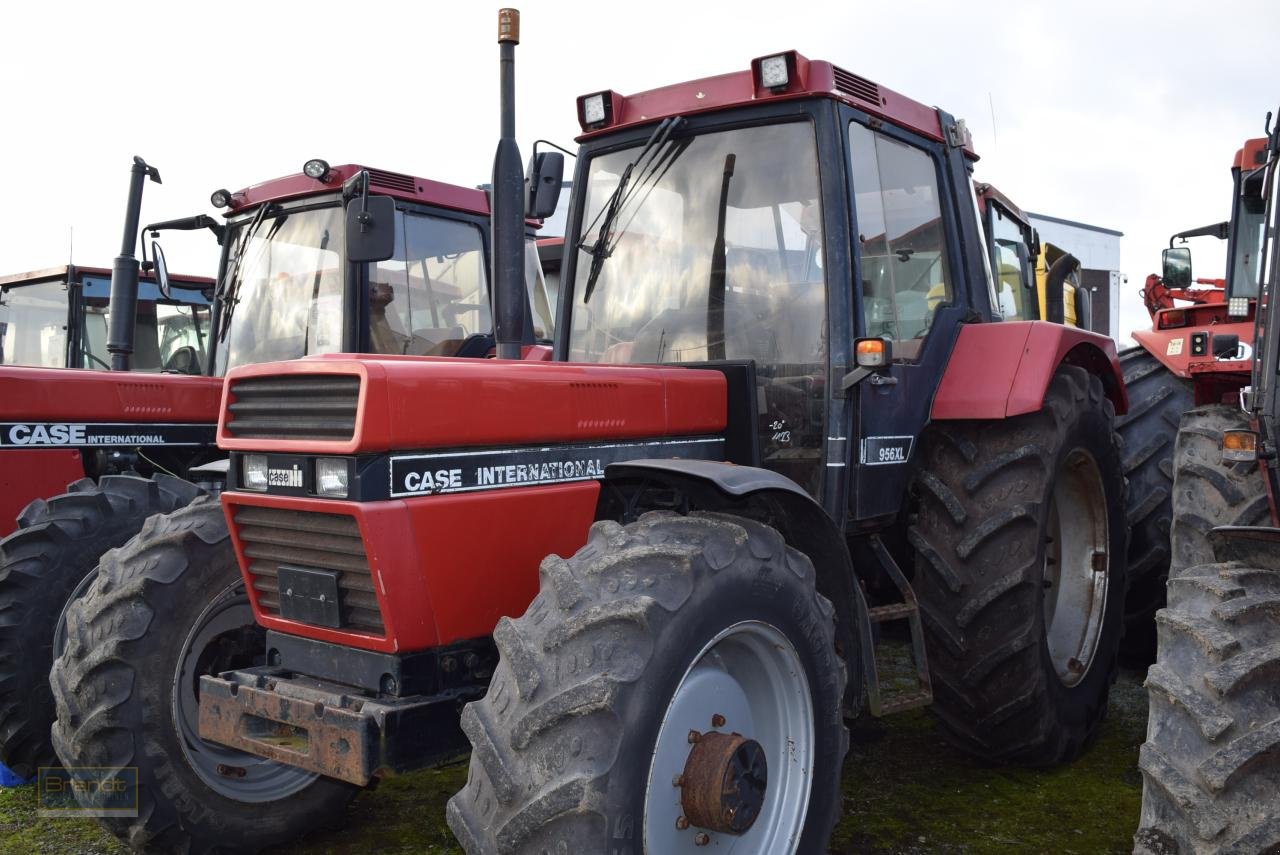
[750,674]
[1077,568]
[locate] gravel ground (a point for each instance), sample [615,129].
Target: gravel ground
[905,791]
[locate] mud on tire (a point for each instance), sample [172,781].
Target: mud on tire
[1157,400]
[117,690]
[1211,762]
[1208,493]
[563,741]
[58,543]
[985,565]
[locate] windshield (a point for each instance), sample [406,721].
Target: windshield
[169,335]
[285,288]
[654,299]
[33,324]
[1247,247]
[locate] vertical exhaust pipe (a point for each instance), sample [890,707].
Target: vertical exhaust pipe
[506,205]
[124,272]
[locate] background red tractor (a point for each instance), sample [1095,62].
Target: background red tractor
[1196,355]
[132,445]
[799,251]
[1211,762]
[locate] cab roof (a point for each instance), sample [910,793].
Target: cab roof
[406,188]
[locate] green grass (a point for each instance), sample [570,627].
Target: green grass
[905,791]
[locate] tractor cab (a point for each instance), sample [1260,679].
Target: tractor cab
[290,287]
[57,318]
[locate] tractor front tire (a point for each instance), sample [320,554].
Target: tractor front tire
[56,548]
[1157,400]
[166,608]
[665,638]
[1211,762]
[1207,492]
[1020,550]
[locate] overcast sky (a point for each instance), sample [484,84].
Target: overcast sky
[1120,114]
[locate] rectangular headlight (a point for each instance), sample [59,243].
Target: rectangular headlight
[1238,307]
[253,472]
[593,109]
[332,477]
[774,73]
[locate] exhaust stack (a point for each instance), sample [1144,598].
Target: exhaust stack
[124,272]
[506,206]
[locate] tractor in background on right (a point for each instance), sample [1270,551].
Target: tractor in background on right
[1194,360]
[1211,762]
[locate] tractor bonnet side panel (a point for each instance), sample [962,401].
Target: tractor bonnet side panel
[32,474]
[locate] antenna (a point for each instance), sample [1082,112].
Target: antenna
[991,104]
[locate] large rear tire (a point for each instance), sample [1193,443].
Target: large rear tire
[166,608]
[1211,762]
[1020,543]
[56,547]
[1157,400]
[1208,493]
[706,623]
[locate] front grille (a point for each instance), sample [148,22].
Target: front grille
[295,406]
[312,540]
[392,180]
[857,87]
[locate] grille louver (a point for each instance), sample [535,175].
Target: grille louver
[309,539]
[392,180]
[298,406]
[857,87]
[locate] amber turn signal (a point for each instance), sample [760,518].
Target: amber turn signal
[1239,446]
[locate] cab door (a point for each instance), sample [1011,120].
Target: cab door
[909,288]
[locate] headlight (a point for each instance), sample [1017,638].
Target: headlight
[331,477]
[220,198]
[593,109]
[316,168]
[1238,307]
[254,472]
[774,73]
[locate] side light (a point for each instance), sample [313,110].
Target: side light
[253,472]
[1239,446]
[1172,319]
[316,168]
[220,198]
[872,352]
[1238,307]
[332,477]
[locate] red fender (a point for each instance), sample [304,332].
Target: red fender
[998,370]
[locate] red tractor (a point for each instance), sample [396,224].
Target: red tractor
[131,445]
[782,409]
[1196,355]
[1211,762]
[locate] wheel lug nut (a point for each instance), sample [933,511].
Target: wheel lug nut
[717,720]
[682,823]
[701,839]
[677,781]
[694,736]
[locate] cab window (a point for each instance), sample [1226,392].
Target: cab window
[901,241]
[1013,291]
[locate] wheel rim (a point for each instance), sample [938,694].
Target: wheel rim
[225,637]
[750,678]
[1077,567]
[60,628]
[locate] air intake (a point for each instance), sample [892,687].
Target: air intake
[392,181]
[856,87]
[294,406]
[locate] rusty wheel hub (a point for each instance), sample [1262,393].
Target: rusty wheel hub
[724,782]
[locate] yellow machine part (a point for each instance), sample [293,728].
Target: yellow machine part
[1048,255]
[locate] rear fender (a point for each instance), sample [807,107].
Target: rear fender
[1000,370]
[777,501]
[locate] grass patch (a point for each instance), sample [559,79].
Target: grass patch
[905,792]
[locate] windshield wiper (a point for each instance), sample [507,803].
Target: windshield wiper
[716,282]
[231,282]
[660,160]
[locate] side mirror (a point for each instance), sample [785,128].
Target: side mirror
[542,184]
[1176,262]
[371,229]
[161,270]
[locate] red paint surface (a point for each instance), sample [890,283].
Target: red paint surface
[30,474]
[1209,318]
[83,395]
[1000,370]
[414,402]
[424,190]
[1252,155]
[813,78]
[442,571]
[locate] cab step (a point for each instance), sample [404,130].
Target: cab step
[879,701]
